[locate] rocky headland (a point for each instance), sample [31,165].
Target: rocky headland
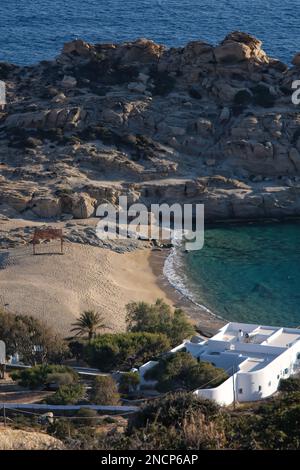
[213,125]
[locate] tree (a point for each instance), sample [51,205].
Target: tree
[105,391]
[77,349]
[34,341]
[182,371]
[88,324]
[158,318]
[124,350]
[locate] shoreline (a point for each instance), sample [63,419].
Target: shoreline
[205,321]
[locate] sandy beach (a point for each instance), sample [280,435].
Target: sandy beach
[57,288]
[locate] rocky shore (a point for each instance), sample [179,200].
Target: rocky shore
[213,125]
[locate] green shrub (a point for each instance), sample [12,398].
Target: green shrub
[41,375]
[67,395]
[87,417]
[76,348]
[292,384]
[173,408]
[159,318]
[105,391]
[62,429]
[61,378]
[129,382]
[124,350]
[182,371]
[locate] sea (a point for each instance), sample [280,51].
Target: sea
[34,30]
[247,273]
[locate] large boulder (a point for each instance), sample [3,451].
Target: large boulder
[296,60]
[142,51]
[46,206]
[46,119]
[187,59]
[83,206]
[231,51]
[77,47]
[238,47]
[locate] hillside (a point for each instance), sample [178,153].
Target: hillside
[193,124]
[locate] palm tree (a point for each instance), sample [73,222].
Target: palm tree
[89,323]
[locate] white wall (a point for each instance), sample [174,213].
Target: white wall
[223,394]
[142,371]
[2,352]
[267,378]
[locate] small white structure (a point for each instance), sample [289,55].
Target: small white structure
[2,359]
[255,357]
[2,353]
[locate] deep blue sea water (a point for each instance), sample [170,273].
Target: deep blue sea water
[245,273]
[33,30]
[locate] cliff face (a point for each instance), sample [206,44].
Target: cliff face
[199,123]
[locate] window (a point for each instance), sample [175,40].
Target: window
[270,383]
[286,371]
[278,376]
[259,388]
[298,356]
[240,391]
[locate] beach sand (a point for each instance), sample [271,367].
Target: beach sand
[57,288]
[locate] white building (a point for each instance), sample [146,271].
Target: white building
[255,358]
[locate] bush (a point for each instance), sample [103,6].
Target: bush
[105,391]
[67,395]
[41,375]
[173,408]
[159,318]
[292,384]
[62,429]
[88,417]
[125,350]
[60,378]
[129,382]
[77,349]
[182,371]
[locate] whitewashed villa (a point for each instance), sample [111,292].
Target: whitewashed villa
[255,357]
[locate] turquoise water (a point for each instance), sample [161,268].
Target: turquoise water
[249,273]
[32,30]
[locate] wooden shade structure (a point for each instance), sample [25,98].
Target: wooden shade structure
[47,234]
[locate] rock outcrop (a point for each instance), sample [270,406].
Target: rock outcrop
[17,439]
[200,123]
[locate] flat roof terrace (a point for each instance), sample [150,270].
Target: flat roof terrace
[284,340]
[257,335]
[253,363]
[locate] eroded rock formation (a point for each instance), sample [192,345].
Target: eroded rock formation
[192,124]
